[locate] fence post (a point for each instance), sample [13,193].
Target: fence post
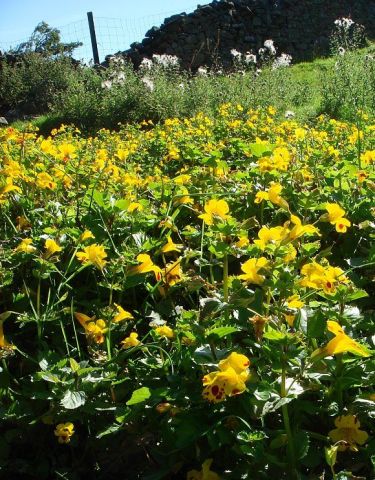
[94,45]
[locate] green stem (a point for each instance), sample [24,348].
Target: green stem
[225,278]
[288,430]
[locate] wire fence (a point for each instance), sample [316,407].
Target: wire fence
[112,34]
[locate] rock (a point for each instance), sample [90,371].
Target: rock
[207,34]
[3,121]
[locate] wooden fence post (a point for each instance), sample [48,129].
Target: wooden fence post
[94,45]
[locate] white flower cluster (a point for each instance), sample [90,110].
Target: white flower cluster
[284,60]
[165,61]
[248,58]
[268,44]
[148,83]
[236,54]
[344,23]
[117,77]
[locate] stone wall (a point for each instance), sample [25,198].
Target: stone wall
[298,27]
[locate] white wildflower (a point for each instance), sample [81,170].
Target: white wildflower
[146,64]
[148,83]
[236,54]
[289,114]
[250,58]
[284,60]
[165,61]
[202,71]
[268,44]
[107,84]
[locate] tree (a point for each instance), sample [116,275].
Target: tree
[47,42]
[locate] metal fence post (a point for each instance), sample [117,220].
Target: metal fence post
[94,45]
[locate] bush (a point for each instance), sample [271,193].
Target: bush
[30,82]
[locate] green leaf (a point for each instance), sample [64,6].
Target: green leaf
[72,400]
[301,443]
[139,396]
[222,332]
[274,335]
[73,365]
[331,455]
[259,149]
[356,295]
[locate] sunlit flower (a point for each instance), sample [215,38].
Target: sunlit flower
[170,246]
[131,341]
[336,217]
[165,331]
[319,277]
[94,254]
[122,314]
[294,302]
[94,329]
[229,380]
[347,433]
[64,431]
[86,235]
[26,246]
[251,268]
[146,265]
[341,343]
[44,180]
[51,247]
[215,209]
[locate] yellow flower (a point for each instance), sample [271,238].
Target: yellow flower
[294,302]
[66,151]
[26,246]
[94,254]
[94,330]
[165,331]
[242,242]
[64,431]
[131,341]
[171,274]
[135,206]
[273,195]
[336,217]
[86,235]
[215,209]
[4,345]
[122,314]
[146,265]
[8,187]
[272,235]
[204,474]
[298,230]
[51,247]
[289,317]
[368,157]
[170,246]
[229,380]
[339,344]
[319,277]
[251,268]
[347,433]
[237,361]
[44,180]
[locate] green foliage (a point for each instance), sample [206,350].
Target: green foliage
[31,83]
[45,41]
